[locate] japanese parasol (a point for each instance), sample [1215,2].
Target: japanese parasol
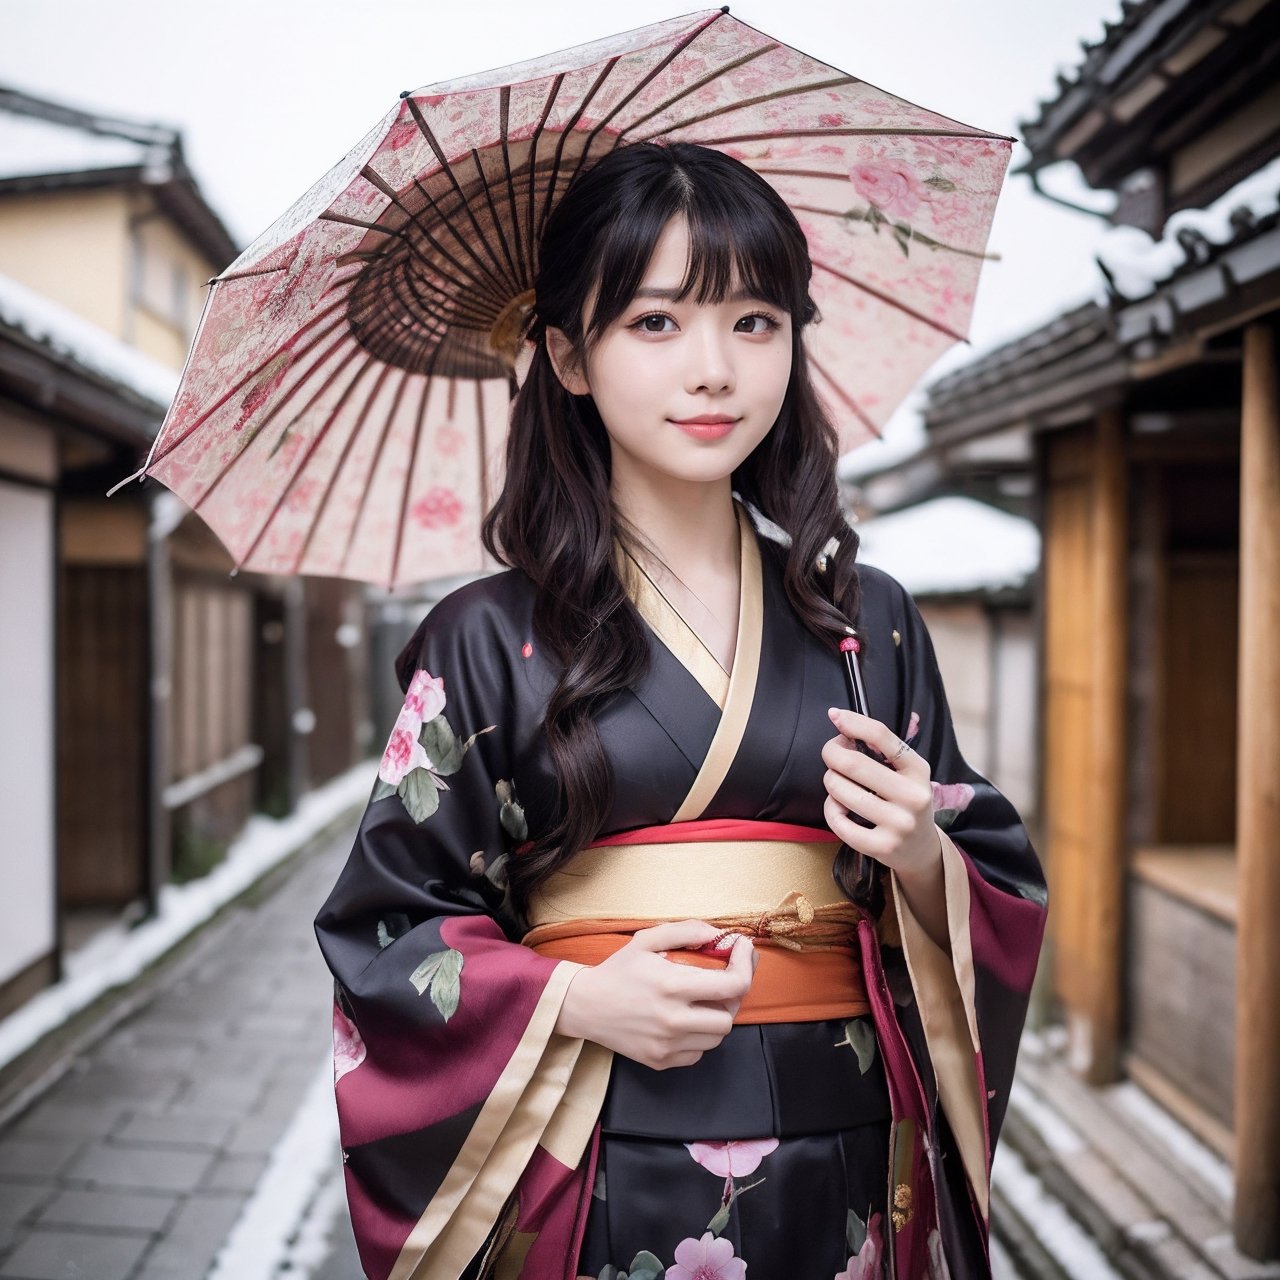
[344,405]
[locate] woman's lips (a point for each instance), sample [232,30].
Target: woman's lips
[706,430]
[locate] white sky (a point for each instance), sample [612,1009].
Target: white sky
[269,94]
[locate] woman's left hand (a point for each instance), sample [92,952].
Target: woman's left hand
[896,797]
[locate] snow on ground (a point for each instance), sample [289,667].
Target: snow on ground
[57,327]
[116,956]
[1048,1219]
[279,1223]
[951,545]
[1138,263]
[1186,1148]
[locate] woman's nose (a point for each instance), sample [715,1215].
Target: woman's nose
[710,366]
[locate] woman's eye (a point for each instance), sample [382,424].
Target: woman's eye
[652,323]
[768,322]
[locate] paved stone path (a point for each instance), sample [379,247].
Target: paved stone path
[138,1161]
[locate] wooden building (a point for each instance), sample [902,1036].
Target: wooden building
[1152,421]
[152,702]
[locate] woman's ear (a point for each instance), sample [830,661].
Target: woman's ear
[565,363]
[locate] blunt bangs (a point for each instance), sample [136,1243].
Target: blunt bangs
[741,233]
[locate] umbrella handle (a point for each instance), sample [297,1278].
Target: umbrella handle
[867,891]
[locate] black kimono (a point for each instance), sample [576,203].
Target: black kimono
[478,1141]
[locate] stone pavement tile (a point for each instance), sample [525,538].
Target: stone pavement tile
[37,1158]
[234,1173]
[88,1081]
[193,1237]
[151,1168]
[18,1202]
[221,1094]
[74,1255]
[127,1211]
[55,1116]
[176,1128]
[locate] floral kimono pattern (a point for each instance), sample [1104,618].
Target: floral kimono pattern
[478,1142]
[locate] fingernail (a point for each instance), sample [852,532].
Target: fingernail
[833,714]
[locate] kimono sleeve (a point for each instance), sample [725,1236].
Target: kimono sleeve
[443,1022]
[971,1003]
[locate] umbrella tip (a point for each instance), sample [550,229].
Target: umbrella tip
[404,93]
[724,8]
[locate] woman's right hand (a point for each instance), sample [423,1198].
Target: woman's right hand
[659,1013]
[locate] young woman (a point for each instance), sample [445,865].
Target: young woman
[618,990]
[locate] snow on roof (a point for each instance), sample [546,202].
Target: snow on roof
[67,334]
[951,545]
[30,146]
[1138,264]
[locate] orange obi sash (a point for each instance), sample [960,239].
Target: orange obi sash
[769,880]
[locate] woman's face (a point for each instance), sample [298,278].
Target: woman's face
[661,363]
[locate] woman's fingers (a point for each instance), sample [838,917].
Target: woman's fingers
[673,934]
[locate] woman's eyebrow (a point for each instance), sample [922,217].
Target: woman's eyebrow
[741,295]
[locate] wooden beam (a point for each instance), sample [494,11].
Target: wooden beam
[1257,1119]
[1107,782]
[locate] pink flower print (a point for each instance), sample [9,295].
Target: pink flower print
[914,726]
[890,190]
[403,751]
[426,695]
[867,1265]
[949,800]
[438,508]
[732,1159]
[348,1047]
[711,1258]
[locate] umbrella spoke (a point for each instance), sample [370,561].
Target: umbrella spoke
[347,445]
[312,444]
[533,165]
[366,491]
[553,179]
[446,167]
[171,445]
[470,279]
[286,396]
[891,301]
[418,433]
[639,87]
[523,277]
[910,232]
[850,403]
[693,86]
[790,91]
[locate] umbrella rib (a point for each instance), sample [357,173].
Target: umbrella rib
[313,444]
[480,447]
[640,85]
[897,132]
[367,488]
[447,169]
[504,111]
[686,90]
[493,211]
[791,91]
[408,471]
[394,196]
[916,237]
[170,446]
[852,404]
[891,301]
[347,445]
[275,410]
[554,176]
[533,162]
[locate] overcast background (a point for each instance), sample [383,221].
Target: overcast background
[269,94]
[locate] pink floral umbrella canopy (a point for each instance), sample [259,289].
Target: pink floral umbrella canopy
[345,401]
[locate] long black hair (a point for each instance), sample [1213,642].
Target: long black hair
[555,518]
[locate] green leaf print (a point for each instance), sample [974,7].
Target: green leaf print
[420,793]
[860,1036]
[644,1266]
[939,183]
[440,976]
[855,1232]
[510,814]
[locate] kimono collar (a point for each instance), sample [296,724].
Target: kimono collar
[733,693]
